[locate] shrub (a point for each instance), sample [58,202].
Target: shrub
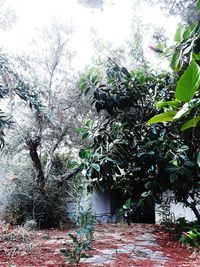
[26,201]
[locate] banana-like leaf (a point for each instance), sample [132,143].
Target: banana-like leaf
[188,83]
[190,123]
[163,117]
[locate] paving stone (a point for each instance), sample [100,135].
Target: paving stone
[126,249]
[147,236]
[147,243]
[98,259]
[57,241]
[141,253]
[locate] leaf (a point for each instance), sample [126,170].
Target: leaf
[65,252]
[182,111]
[163,117]
[179,34]
[86,256]
[190,123]
[127,204]
[195,56]
[81,130]
[176,63]
[148,185]
[198,159]
[85,135]
[96,167]
[145,194]
[188,48]
[175,162]
[188,83]
[188,32]
[83,83]
[173,103]
[85,153]
[72,165]
[198,5]
[74,238]
[89,123]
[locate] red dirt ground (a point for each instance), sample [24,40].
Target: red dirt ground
[118,245]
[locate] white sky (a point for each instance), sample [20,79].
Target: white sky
[113,23]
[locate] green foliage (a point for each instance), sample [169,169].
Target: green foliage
[190,123]
[164,117]
[188,83]
[26,201]
[198,5]
[187,88]
[127,153]
[89,79]
[86,130]
[191,237]
[82,240]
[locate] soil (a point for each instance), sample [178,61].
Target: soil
[114,245]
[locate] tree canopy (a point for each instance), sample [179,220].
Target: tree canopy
[130,147]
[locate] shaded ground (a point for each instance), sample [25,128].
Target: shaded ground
[114,245]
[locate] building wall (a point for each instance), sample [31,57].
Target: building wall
[101,202]
[177,210]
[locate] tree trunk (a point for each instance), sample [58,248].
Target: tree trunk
[50,157]
[33,144]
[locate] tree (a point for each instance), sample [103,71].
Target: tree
[45,138]
[126,151]
[186,9]
[183,109]
[11,85]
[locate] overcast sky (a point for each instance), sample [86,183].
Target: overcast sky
[112,21]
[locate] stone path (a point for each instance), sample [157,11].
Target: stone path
[114,245]
[138,245]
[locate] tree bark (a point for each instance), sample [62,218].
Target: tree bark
[51,153]
[193,207]
[33,144]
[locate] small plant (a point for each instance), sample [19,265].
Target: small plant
[81,241]
[5,227]
[30,225]
[127,211]
[167,217]
[191,237]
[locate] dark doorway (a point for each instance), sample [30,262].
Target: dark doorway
[144,213]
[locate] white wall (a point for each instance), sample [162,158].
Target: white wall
[101,205]
[177,210]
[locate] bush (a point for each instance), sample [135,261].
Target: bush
[26,201]
[191,237]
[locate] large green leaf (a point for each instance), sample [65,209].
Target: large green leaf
[163,117]
[188,83]
[179,34]
[198,5]
[188,32]
[190,123]
[195,56]
[173,103]
[176,63]
[182,111]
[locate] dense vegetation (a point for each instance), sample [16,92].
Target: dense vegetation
[142,141]
[130,151]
